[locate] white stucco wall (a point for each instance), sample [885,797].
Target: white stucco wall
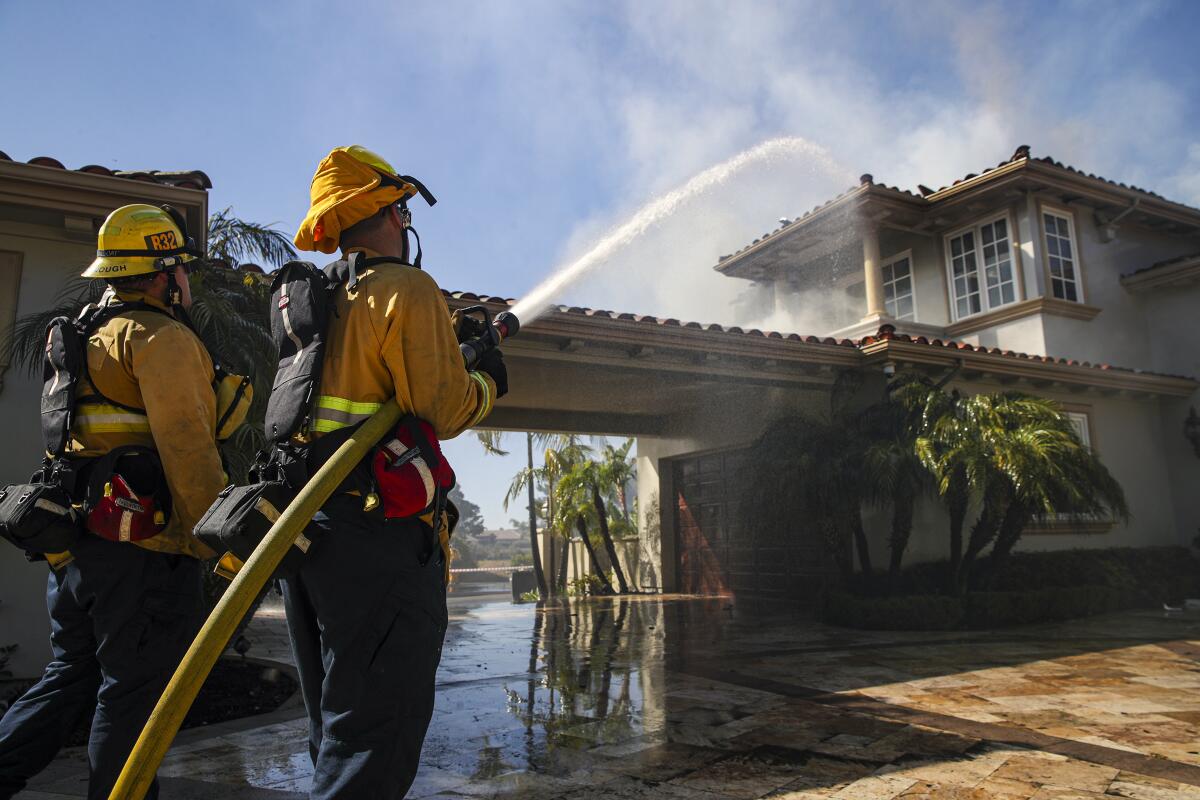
[47,263]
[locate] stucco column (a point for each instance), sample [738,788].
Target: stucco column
[871,271]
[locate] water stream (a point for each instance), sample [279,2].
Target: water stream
[538,301]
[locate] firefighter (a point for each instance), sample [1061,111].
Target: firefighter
[126,600]
[367,608]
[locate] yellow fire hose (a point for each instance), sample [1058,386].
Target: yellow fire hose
[164,722]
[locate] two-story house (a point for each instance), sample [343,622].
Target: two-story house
[1033,260]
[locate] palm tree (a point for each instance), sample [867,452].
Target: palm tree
[1020,457]
[575,506]
[893,474]
[587,478]
[233,240]
[618,469]
[560,450]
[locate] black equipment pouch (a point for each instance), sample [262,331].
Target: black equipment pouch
[39,517]
[239,519]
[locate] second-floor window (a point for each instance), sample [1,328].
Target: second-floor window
[1060,256]
[898,288]
[981,269]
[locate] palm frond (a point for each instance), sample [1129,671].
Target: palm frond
[235,240]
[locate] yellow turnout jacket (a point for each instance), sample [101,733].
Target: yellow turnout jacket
[148,360]
[392,336]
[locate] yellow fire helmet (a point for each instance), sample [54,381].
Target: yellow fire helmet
[141,239]
[351,184]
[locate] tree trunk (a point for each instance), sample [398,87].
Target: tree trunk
[558,581]
[982,535]
[606,535]
[902,524]
[957,500]
[536,551]
[861,544]
[835,545]
[1011,528]
[564,557]
[605,586]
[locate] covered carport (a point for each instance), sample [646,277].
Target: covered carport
[695,397]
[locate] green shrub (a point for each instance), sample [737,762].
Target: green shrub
[1028,588]
[928,612]
[1000,609]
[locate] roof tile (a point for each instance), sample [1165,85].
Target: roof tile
[190,179]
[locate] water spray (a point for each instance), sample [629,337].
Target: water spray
[537,302]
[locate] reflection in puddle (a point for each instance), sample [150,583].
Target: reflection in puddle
[585,674]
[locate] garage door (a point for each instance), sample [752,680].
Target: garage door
[721,551]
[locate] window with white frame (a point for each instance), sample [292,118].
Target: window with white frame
[1079,422]
[898,298]
[985,248]
[1060,256]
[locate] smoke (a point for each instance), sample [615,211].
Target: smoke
[957,91]
[662,210]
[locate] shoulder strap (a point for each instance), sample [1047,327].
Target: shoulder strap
[89,321]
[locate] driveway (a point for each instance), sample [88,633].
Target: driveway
[690,697]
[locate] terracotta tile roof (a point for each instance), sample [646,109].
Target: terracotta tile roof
[885,333]
[190,179]
[929,196]
[1164,263]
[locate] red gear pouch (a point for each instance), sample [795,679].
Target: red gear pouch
[408,481]
[123,516]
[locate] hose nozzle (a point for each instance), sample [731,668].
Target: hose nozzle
[494,331]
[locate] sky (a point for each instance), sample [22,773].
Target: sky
[541,125]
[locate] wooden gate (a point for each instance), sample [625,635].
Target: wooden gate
[721,550]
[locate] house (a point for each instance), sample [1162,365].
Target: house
[1034,261]
[1031,276]
[49,218]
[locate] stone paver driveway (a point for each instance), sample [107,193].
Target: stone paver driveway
[679,697]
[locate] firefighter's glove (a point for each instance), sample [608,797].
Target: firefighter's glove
[492,364]
[467,327]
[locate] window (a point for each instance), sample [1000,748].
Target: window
[1080,423]
[985,247]
[898,288]
[1060,256]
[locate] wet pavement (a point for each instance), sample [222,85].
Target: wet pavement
[680,697]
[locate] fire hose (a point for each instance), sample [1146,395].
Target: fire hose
[164,722]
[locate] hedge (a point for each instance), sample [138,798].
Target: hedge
[1029,588]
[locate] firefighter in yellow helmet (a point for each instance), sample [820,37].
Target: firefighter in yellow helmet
[125,601]
[367,608]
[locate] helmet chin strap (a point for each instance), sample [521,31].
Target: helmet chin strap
[175,300]
[405,229]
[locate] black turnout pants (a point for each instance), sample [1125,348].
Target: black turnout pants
[121,617]
[367,616]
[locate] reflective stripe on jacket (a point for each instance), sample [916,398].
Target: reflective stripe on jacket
[391,336]
[145,360]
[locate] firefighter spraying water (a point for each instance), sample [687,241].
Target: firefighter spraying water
[260,539]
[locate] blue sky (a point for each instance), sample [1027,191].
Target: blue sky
[540,124]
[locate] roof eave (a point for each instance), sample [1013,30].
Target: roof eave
[837,205]
[1037,371]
